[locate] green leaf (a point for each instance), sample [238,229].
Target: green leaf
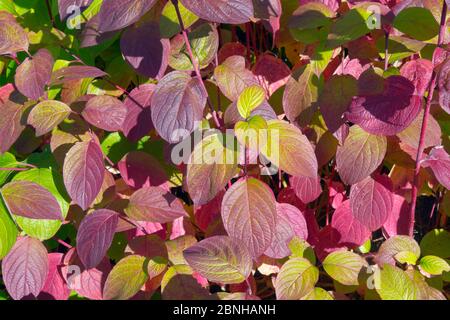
[434,265]
[310,22]
[46,115]
[318,294]
[52,181]
[249,99]
[344,266]
[168,23]
[8,5]
[394,245]
[352,25]
[366,247]
[296,279]
[406,257]
[7,160]
[394,284]
[251,133]
[126,278]
[301,249]
[436,243]
[8,231]
[417,23]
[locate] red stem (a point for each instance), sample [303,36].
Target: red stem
[194,62]
[426,116]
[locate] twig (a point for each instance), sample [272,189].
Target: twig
[63,243]
[386,50]
[49,10]
[426,115]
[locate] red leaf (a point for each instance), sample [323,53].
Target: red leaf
[399,218]
[271,72]
[55,287]
[419,73]
[284,231]
[295,218]
[306,189]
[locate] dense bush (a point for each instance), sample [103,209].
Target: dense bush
[238,149]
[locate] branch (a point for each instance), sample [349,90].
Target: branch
[426,116]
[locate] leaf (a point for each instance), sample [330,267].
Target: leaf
[204,41]
[283,234]
[398,219]
[8,231]
[394,284]
[72,73]
[350,26]
[411,135]
[220,259]
[138,121]
[115,15]
[439,162]
[175,116]
[249,214]
[55,287]
[46,115]
[12,36]
[139,169]
[310,22]
[231,12]
[7,160]
[300,95]
[11,124]
[154,204]
[99,106]
[232,77]
[442,84]
[419,73]
[271,72]
[30,200]
[380,113]
[126,278]
[297,156]
[296,279]
[434,265]
[25,268]
[344,266]
[295,218]
[232,115]
[360,155]
[144,50]
[251,133]
[351,231]
[436,243]
[335,99]
[394,245]
[306,189]
[249,99]
[83,172]
[178,283]
[371,201]
[95,236]
[318,294]
[406,257]
[34,74]
[417,23]
[211,165]
[169,23]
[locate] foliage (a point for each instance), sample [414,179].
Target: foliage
[203,149]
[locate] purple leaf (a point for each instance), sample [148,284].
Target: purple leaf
[118,14]
[83,172]
[13,37]
[90,36]
[175,116]
[154,204]
[11,124]
[295,218]
[352,233]
[25,268]
[34,74]
[138,121]
[371,201]
[145,50]
[105,112]
[95,236]
[139,169]
[249,214]
[439,162]
[389,112]
[55,287]
[419,73]
[30,200]
[70,73]
[306,189]
[443,84]
[231,11]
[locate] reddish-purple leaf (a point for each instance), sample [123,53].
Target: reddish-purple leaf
[11,124]
[271,72]
[306,189]
[231,49]
[91,36]
[118,14]
[249,214]
[71,73]
[371,201]
[443,84]
[139,169]
[207,213]
[145,50]
[66,7]
[138,121]
[332,4]
[352,232]
[13,37]
[231,11]
[95,236]
[154,204]
[175,116]
[83,172]
[389,112]
[55,287]
[295,218]
[419,73]
[105,112]
[25,268]
[279,247]
[353,67]
[326,242]
[439,162]
[30,200]
[149,246]
[34,74]
[399,217]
